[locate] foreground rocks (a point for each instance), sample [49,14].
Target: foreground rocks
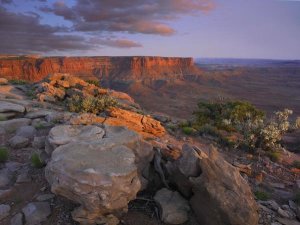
[219,195]
[101,175]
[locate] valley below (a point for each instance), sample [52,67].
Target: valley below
[113,140]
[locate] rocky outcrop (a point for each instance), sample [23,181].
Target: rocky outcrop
[219,194]
[102,174]
[104,68]
[144,125]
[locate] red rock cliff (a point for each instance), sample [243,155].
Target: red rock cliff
[105,68]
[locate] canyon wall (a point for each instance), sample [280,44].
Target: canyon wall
[104,68]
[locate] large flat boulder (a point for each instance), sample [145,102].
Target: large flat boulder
[102,175]
[64,134]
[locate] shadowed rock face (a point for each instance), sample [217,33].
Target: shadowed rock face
[106,68]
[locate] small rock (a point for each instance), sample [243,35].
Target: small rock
[174,208]
[4,211]
[36,212]
[45,197]
[293,205]
[5,176]
[23,178]
[5,193]
[17,219]
[276,223]
[18,142]
[273,205]
[13,166]
[39,142]
[284,213]
[26,131]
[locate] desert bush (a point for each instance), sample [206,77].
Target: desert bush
[227,116]
[94,82]
[90,104]
[261,195]
[245,119]
[274,155]
[187,130]
[272,133]
[36,161]
[3,154]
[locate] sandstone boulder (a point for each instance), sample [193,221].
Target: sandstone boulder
[220,194]
[102,174]
[26,131]
[7,107]
[144,125]
[12,125]
[18,142]
[4,211]
[36,212]
[174,208]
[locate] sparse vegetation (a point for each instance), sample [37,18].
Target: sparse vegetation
[3,154]
[18,82]
[261,195]
[274,156]
[244,119]
[36,161]
[94,82]
[187,130]
[94,105]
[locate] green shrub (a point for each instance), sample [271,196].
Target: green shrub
[94,105]
[36,161]
[261,195]
[209,130]
[18,82]
[296,164]
[187,130]
[274,156]
[94,82]
[3,154]
[227,115]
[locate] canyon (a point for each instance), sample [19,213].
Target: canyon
[171,85]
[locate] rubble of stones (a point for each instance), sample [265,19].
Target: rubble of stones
[101,166]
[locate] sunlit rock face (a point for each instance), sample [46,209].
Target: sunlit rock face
[104,68]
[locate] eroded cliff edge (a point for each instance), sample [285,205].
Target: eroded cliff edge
[104,68]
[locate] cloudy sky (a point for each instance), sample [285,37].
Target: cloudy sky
[197,28]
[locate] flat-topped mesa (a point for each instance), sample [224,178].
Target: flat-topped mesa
[104,68]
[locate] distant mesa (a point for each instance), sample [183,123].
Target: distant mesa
[35,68]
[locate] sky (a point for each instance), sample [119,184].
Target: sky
[268,29]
